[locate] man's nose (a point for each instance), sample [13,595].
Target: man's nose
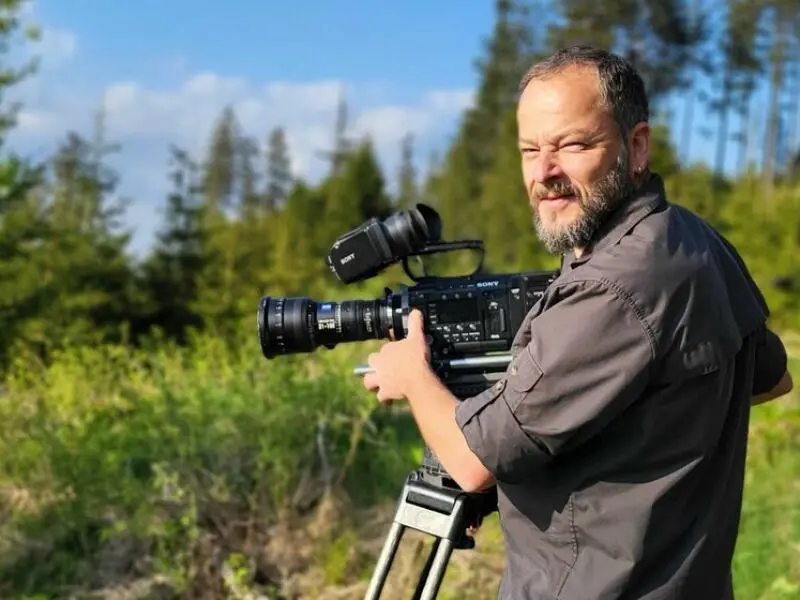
[545,167]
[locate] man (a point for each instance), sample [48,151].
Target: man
[617,437]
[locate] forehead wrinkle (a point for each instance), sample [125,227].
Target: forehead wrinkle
[567,131]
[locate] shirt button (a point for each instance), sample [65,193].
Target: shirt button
[513,369]
[498,385]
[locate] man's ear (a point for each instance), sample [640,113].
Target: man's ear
[639,148]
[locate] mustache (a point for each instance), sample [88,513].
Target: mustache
[558,188]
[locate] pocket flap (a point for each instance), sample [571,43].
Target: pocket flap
[524,372]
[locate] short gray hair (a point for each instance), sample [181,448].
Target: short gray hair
[621,87]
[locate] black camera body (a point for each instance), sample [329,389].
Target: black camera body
[472,320]
[476,315]
[464,316]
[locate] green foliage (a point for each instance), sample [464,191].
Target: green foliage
[767,564]
[156,445]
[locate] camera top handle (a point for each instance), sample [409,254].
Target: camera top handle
[440,247]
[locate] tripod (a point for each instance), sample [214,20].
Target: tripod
[431,502]
[444,513]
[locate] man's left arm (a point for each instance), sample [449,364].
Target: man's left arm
[588,358]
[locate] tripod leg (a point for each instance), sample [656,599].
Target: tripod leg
[423,577]
[438,567]
[385,561]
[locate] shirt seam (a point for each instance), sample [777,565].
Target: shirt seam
[627,299]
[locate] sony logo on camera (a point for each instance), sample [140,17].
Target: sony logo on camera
[487,284]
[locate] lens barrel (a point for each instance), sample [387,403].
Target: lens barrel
[298,324]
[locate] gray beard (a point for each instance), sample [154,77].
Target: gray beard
[607,194]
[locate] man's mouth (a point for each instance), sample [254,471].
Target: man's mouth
[555,198]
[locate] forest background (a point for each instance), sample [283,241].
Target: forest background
[148,448]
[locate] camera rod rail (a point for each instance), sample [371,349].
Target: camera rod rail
[458,364]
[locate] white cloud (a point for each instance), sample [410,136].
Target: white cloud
[145,120]
[184,114]
[55,46]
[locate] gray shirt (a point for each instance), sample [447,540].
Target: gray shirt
[618,434]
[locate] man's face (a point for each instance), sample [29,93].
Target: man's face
[574,162]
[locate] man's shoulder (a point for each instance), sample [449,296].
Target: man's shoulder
[663,249]
[677,271]
[666,249]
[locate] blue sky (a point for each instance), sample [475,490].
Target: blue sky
[165,69]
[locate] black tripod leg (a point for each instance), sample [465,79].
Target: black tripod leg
[434,570]
[423,577]
[385,561]
[438,512]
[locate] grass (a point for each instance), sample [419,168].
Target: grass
[206,472]
[767,560]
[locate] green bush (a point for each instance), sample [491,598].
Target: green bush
[164,443]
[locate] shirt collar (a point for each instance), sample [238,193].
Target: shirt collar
[649,198]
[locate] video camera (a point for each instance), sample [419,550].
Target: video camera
[466,316]
[471,320]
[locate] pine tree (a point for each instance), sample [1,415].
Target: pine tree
[407,193]
[659,37]
[279,170]
[220,169]
[248,175]
[173,270]
[457,186]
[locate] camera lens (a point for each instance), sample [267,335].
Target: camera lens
[295,325]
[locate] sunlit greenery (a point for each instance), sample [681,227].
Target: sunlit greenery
[148,448]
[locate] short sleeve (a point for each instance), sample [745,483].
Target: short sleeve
[588,358]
